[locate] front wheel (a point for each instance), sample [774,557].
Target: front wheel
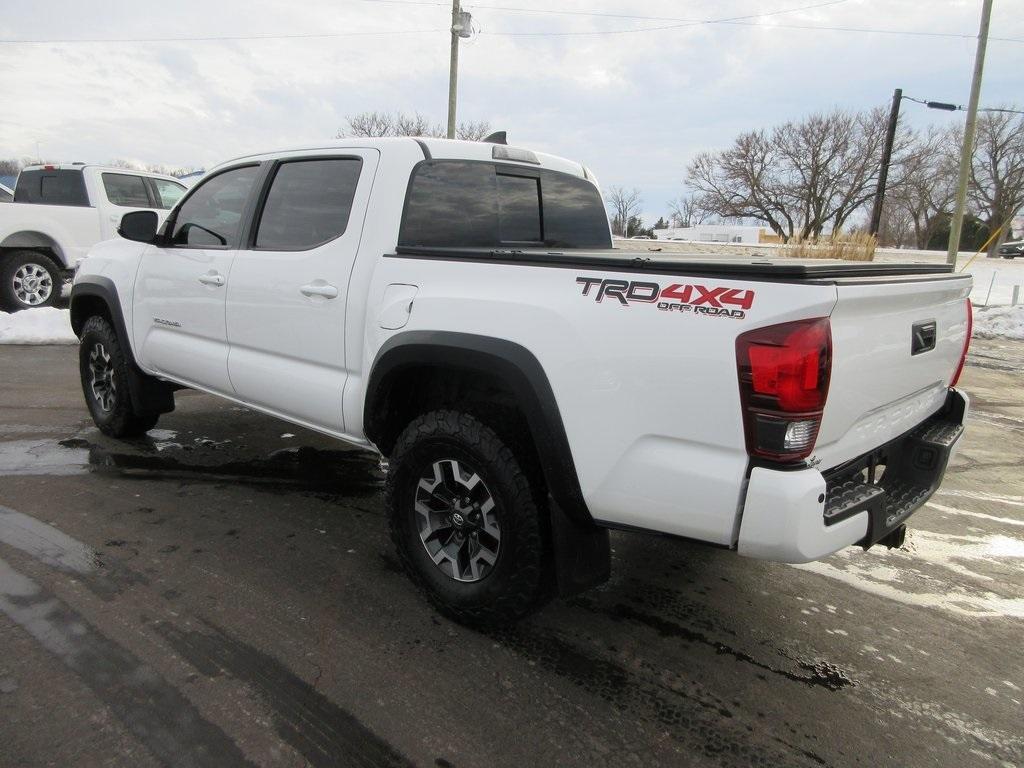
[465,519]
[103,367]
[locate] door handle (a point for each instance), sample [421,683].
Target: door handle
[211,279]
[319,288]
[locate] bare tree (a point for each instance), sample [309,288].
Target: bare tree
[128,165]
[414,125]
[170,170]
[473,131]
[800,178]
[925,191]
[743,181]
[896,227]
[684,211]
[11,167]
[370,124]
[625,206]
[997,173]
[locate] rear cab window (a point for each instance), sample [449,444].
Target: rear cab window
[56,186]
[465,203]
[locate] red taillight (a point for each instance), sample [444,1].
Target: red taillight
[783,373]
[967,344]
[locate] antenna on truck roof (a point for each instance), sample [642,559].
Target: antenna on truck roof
[498,137]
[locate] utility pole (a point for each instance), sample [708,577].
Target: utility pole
[967,151]
[460,28]
[883,172]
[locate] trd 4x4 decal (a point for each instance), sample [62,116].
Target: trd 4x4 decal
[677,297]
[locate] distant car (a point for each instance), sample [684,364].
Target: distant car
[6,194]
[1012,250]
[641,237]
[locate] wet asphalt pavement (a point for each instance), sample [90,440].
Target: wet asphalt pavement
[223,592]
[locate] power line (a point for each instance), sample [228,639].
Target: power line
[737,21]
[683,23]
[872,30]
[548,11]
[222,38]
[679,23]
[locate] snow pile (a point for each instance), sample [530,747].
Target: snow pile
[999,322]
[45,325]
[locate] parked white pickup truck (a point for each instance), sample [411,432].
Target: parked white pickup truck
[59,212]
[458,307]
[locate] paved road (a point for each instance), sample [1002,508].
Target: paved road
[224,593]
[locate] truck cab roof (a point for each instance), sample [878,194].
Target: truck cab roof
[436,148]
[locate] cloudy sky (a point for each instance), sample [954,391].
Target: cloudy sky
[633,89]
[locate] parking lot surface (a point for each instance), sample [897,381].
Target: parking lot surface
[224,592]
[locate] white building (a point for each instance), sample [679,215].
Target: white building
[712,233]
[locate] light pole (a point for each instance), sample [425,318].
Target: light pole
[967,151]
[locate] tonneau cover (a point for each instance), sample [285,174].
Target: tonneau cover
[760,268]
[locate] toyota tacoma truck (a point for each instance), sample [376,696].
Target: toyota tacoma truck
[58,213]
[458,307]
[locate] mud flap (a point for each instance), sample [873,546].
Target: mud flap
[582,553]
[149,395]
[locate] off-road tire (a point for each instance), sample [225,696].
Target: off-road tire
[517,583]
[9,267]
[119,419]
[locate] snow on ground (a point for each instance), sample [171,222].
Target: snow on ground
[1004,322]
[45,325]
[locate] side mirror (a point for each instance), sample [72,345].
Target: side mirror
[139,226]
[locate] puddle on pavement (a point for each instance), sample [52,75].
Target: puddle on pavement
[302,468]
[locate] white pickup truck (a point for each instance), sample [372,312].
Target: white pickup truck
[458,307]
[58,213]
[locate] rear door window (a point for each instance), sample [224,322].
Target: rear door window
[126,189]
[308,204]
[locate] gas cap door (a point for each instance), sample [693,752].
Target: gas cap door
[396,306]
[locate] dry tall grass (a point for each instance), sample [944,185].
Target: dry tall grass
[854,247]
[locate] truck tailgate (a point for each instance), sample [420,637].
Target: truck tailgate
[896,346]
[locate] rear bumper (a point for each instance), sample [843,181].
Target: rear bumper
[801,515]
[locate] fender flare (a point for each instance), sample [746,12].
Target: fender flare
[513,364]
[35,238]
[147,393]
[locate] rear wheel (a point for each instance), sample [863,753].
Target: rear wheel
[465,519]
[29,279]
[103,367]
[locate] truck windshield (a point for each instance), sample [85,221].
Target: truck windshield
[464,203]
